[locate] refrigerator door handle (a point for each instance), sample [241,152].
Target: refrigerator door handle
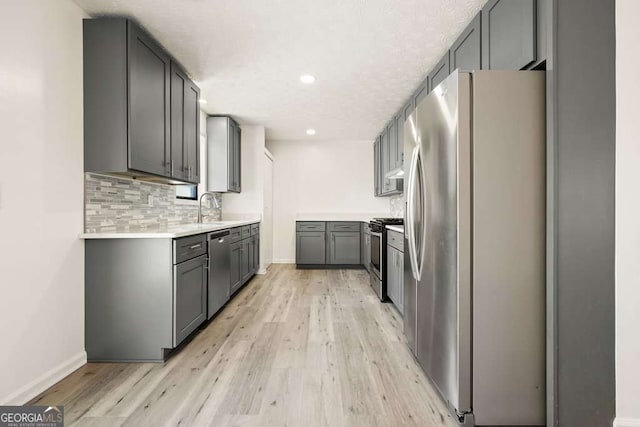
[413,252]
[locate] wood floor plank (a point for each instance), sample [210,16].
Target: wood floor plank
[293,348]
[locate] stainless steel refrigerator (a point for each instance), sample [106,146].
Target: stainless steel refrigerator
[475,232]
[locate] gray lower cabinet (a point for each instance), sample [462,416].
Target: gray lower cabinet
[466,52]
[310,248]
[365,251]
[127,80]
[508,34]
[224,154]
[142,296]
[235,276]
[190,297]
[343,247]
[245,255]
[395,277]
[395,268]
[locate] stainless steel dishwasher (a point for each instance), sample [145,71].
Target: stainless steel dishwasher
[219,260]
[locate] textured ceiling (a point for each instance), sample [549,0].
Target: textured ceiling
[247,56]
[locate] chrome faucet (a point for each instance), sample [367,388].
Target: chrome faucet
[215,203]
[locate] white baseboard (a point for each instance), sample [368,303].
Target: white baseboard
[46,380]
[626,422]
[284,261]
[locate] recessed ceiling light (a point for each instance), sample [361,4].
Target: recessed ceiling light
[307,79]
[311,131]
[202,101]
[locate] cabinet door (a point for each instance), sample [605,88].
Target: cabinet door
[344,247]
[392,275]
[508,34]
[422,91]
[191,132]
[190,297]
[376,167]
[440,72]
[400,142]
[256,254]
[235,276]
[367,252]
[231,156]
[178,86]
[149,128]
[235,158]
[310,247]
[245,260]
[384,162]
[392,131]
[400,281]
[465,54]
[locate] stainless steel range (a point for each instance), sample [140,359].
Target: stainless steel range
[378,275]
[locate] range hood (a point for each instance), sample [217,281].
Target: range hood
[397,173]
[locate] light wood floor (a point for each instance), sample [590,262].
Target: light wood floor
[294,348]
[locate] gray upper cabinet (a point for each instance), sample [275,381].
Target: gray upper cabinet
[185,122]
[388,160]
[421,91]
[344,247]
[148,103]
[440,72]
[400,138]
[127,103]
[377,161]
[223,154]
[466,52]
[508,34]
[392,131]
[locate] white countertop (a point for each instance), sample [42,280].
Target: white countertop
[170,232]
[398,228]
[362,217]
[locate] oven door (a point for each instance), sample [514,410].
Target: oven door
[376,253]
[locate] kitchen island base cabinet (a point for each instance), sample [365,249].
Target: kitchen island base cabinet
[334,244]
[139,304]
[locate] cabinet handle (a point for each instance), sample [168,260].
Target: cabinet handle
[171,167]
[196,246]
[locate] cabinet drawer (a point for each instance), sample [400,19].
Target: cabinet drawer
[246,231]
[343,226]
[235,234]
[255,229]
[396,240]
[310,226]
[189,247]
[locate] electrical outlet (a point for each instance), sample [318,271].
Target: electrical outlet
[150,200]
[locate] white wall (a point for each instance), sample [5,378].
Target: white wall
[627,214]
[319,177]
[41,196]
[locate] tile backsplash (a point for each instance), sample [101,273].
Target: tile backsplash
[122,204]
[396,206]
